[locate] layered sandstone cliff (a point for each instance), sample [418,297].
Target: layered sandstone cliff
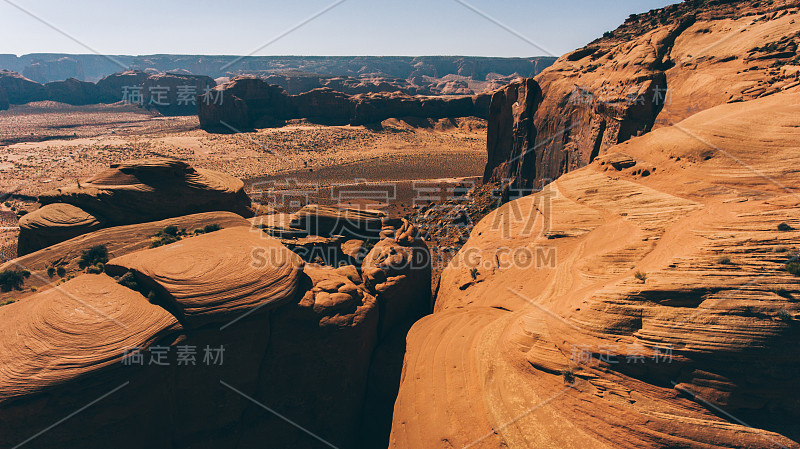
[247,102]
[225,338]
[656,69]
[641,301]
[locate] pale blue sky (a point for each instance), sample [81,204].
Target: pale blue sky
[354,27]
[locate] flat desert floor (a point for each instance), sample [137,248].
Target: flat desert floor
[46,145]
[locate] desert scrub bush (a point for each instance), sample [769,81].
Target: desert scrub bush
[785,227]
[474,273]
[169,234]
[57,267]
[784,315]
[128,280]
[96,269]
[93,256]
[639,275]
[568,375]
[7,302]
[13,279]
[783,293]
[793,267]
[208,228]
[724,260]
[211,228]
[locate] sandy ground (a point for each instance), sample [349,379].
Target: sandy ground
[46,145]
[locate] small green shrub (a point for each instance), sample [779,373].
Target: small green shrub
[640,276]
[568,375]
[784,315]
[474,273]
[128,280]
[57,267]
[169,234]
[7,302]
[13,279]
[211,228]
[793,268]
[95,255]
[724,260]
[96,269]
[785,227]
[207,228]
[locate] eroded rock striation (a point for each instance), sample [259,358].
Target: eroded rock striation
[656,69]
[641,301]
[131,192]
[306,340]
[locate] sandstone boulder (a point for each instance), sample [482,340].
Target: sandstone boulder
[134,192]
[204,285]
[52,224]
[330,221]
[58,261]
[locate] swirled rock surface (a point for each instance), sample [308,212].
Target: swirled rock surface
[44,264]
[52,224]
[134,192]
[202,283]
[636,304]
[221,339]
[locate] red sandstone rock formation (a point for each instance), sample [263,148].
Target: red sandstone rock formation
[73,91]
[656,69]
[175,94]
[21,90]
[248,102]
[298,339]
[4,104]
[114,87]
[640,301]
[131,192]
